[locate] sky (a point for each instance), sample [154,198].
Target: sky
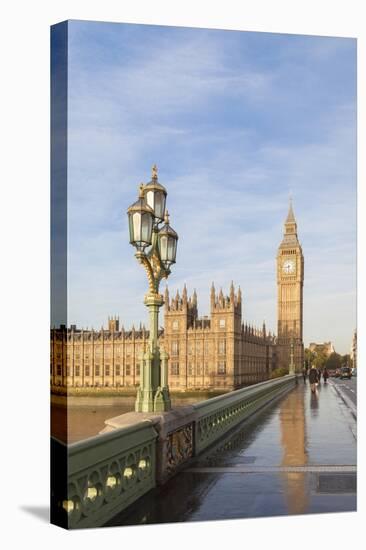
[236,122]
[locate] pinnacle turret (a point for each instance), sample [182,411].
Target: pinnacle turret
[184,294]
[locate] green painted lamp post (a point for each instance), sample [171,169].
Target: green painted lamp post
[292,364]
[156,247]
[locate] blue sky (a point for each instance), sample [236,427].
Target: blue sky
[235,121]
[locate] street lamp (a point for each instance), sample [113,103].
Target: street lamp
[156,250]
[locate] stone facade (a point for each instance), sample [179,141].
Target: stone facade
[220,352]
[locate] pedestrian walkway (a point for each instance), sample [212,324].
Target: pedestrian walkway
[297,456]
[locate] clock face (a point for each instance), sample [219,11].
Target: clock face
[288,266]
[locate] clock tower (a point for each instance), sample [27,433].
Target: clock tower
[290,280]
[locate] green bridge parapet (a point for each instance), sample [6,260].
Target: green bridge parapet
[106,473]
[95,479]
[216,416]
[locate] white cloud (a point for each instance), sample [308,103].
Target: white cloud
[228,183]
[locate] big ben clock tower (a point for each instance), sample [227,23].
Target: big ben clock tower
[290,280]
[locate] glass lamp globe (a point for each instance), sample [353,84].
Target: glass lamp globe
[155,195]
[167,243]
[140,222]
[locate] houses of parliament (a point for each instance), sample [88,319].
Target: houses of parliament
[218,352]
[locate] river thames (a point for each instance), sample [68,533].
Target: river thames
[76,422]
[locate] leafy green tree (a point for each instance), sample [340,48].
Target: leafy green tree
[334,361]
[309,357]
[346,360]
[320,360]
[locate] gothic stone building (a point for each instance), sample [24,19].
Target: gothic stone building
[218,352]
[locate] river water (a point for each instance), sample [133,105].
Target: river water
[74,423]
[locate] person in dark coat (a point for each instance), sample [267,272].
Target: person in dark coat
[304,373]
[313,378]
[325,374]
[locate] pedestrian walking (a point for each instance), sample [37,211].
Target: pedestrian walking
[319,376]
[325,375]
[313,378]
[304,373]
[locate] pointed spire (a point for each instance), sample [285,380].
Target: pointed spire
[290,233]
[239,295]
[290,216]
[194,298]
[166,298]
[232,292]
[212,295]
[184,294]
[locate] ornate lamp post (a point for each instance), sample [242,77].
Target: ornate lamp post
[156,247]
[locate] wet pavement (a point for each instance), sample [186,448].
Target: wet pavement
[297,456]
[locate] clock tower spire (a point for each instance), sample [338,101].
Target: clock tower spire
[290,281]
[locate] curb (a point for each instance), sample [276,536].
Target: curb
[347,401]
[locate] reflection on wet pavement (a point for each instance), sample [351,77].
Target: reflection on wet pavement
[251,472]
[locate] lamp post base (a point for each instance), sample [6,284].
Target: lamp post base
[153,394]
[162,400]
[146,401]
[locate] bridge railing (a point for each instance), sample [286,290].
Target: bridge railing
[107,473]
[218,415]
[95,479]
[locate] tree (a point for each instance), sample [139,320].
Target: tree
[346,360]
[309,357]
[320,359]
[334,361]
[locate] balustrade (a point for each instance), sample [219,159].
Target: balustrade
[106,474]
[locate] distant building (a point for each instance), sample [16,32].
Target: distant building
[353,353]
[325,347]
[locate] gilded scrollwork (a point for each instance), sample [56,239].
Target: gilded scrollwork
[179,447]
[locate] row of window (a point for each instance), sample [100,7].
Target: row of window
[221,348]
[174,369]
[98,352]
[97,370]
[175,324]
